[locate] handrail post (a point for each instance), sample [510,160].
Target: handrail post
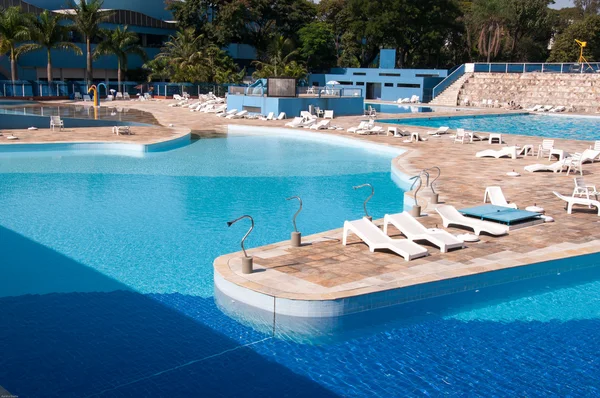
[247,261]
[415,211]
[296,237]
[367,216]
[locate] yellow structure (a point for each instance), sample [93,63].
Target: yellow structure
[95,90]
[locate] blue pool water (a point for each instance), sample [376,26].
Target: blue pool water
[551,126]
[107,286]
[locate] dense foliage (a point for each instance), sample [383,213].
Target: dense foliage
[295,37]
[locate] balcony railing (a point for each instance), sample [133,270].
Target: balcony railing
[311,91]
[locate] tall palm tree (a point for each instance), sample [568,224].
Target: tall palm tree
[48,33]
[490,18]
[87,19]
[13,30]
[280,53]
[158,68]
[120,43]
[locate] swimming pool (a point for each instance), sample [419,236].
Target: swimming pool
[107,286]
[407,108]
[79,112]
[551,126]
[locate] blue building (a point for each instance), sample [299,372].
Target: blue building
[386,82]
[148,18]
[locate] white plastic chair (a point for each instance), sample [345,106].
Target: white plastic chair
[546,148]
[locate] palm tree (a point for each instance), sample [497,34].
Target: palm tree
[120,43]
[279,59]
[490,18]
[158,69]
[13,30]
[184,53]
[87,19]
[48,33]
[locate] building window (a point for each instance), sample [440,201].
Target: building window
[346,83]
[389,84]
[406,85]
[359,83]
[359,73]
[390,74]
[427,75]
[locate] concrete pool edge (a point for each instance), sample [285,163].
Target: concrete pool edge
[179,139]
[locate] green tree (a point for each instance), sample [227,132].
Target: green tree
[490,19]
[279,61]
[158,69]
[588,7]
[86,19]
[529,20]
[48,33]
[566,50]
[120,43]
[14,30]
[317,45]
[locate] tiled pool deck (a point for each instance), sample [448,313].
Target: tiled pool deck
[324,270]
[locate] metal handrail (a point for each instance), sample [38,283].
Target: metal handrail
[416,178]
[230,223]
[298,212]
[435,179]
[369,198]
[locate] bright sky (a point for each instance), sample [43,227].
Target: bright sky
[562,3]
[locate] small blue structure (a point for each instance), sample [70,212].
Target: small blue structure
[386,82]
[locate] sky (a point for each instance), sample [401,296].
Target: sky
[562,3]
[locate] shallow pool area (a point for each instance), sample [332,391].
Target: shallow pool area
[106,112]
[585,128]
[108,284]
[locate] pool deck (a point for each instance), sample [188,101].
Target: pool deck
[324,270]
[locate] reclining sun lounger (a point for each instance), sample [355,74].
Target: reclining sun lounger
[510,151]
[297,122]
[322,125]
[414,230]
[229,112]
[496,197]
[238,115]
[577,201]
[377,240]
[452,216]
[440,131]
[555,167]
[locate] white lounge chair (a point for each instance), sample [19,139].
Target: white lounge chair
[119,96]
[414,230]
[56,121]
[229,112]
[373,130]
[451,216]
[297,122]
[555,167]
[461,137]
[361,126]
[496,197]
[328,115]
[126,96]
[583,190]
[545,108]
[77,96]
[177,97]
[377,240]
[546,148]
[571,201]
[121,130]
[281,116]
[559,108]
[510,151]
[440,131]
[218,109]
[269,116]
[306,123]
[322,125]
[238,115]
[86,98]
[534,109]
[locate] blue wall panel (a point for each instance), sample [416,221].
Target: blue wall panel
[293,106]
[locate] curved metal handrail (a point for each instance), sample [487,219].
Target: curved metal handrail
[424,171]
[416,178]
[230,223]
[298,212]
[435,179]
[369,198]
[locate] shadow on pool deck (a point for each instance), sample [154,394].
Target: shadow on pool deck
[116,342]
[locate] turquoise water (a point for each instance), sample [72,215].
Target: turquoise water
[574,128]
[106,270]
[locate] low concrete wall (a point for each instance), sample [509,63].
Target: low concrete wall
[292,107]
